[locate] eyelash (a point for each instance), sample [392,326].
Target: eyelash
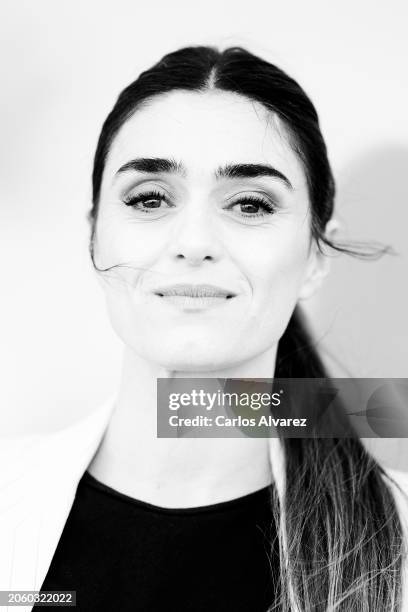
[268,207]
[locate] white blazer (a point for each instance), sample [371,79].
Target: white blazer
[39,475]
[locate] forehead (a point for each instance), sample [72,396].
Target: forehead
[205,130]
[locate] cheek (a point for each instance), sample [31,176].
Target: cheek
[274,266]
[129,244]
[116,241]
[133,253]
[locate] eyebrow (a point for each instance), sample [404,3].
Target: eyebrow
[158,165]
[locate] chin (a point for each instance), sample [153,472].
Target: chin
[197,359]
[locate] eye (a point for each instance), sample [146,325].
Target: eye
[148,202]
[253,207]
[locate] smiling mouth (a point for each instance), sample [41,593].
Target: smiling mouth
[194,291]
[187,302]
[194,297]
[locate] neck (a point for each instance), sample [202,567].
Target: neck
[177,472]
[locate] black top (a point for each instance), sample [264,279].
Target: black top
[119,553]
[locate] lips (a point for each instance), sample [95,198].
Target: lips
[194,291]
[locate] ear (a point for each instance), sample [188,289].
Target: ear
[318,265]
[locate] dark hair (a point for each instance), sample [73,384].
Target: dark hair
[341,538]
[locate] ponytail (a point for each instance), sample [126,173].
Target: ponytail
[340,536]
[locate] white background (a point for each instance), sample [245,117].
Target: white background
[62,65]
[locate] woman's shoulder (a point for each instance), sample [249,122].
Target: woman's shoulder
[30,459]
[84,429]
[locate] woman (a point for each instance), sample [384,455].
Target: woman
[212,201]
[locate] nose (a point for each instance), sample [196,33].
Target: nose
[195,239]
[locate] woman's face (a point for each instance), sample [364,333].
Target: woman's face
[204,188]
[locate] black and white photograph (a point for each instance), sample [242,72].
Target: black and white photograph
[203,317]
